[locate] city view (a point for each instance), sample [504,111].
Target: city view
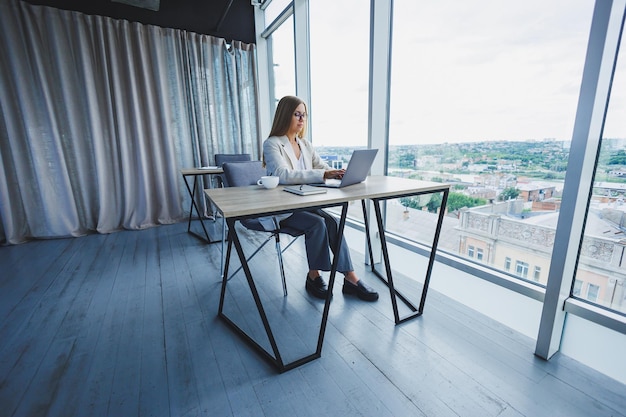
[503,208]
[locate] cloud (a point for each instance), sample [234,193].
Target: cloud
[461,71]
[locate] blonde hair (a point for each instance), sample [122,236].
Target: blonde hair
[284,115]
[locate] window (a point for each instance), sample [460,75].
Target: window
[470,251]
[275,8]
[602,260]
[339,79]
[339,62]
[479,254]
[592,292]
[486,101]
[521,269]
[282,57]
[578,285]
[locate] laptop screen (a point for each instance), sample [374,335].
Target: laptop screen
[359,166]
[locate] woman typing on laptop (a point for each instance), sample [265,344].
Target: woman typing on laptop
[293,159]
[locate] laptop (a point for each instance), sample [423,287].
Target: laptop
[360,163]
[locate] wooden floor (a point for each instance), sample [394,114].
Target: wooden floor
[125,325]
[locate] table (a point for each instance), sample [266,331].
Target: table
[195,173]
[239,203]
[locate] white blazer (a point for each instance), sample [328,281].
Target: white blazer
[281,161]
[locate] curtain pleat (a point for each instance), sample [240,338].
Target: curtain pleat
[99,115]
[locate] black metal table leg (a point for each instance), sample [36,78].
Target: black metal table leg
[274,357]
[388,278]
[192,194]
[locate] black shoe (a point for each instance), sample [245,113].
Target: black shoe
[316,287]
[361,290]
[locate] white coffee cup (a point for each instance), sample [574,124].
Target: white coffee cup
[268,182]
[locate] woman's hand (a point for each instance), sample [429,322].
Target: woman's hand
[334,174]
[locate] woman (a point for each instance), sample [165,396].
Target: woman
[290,157]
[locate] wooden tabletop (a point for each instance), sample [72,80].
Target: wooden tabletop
[256,200]
[201,171]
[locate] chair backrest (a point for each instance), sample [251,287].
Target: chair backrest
[239,174]
[221,158]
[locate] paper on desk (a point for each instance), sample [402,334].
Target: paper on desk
[209,167]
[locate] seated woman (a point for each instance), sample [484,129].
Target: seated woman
[290,157]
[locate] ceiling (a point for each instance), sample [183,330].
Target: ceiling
[229,19]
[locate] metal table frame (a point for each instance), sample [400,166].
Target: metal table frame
[396,188]
[388,278]
[274,357]
[195,173]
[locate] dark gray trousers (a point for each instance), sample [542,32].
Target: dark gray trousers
[320,234]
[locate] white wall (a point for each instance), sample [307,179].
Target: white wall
[596,346]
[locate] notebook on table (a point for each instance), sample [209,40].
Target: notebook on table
[304,189]
[360,163]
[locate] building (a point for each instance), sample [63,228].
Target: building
[533,192]
[494,239]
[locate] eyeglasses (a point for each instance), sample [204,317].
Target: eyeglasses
[300,116]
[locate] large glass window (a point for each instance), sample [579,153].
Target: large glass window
[602,262]
[484,96]
[282,56]
[339,74]
[275,8]
[339,80]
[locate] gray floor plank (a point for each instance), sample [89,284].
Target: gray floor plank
[28,283]
[153,390]
[125,324]
[184,400]
[83,322]
[42,321]
[103,342]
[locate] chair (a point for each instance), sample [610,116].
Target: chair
[220,158]
[239,174]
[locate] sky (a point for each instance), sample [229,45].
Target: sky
[462,71]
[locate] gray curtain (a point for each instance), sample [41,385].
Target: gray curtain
[99,115]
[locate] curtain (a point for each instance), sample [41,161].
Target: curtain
[98,116]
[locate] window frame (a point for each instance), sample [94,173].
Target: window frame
[601,53]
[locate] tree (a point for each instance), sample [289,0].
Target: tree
[414,202]
[618,158]
[457,201]
[406,160]
[509,193]
[434,203]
